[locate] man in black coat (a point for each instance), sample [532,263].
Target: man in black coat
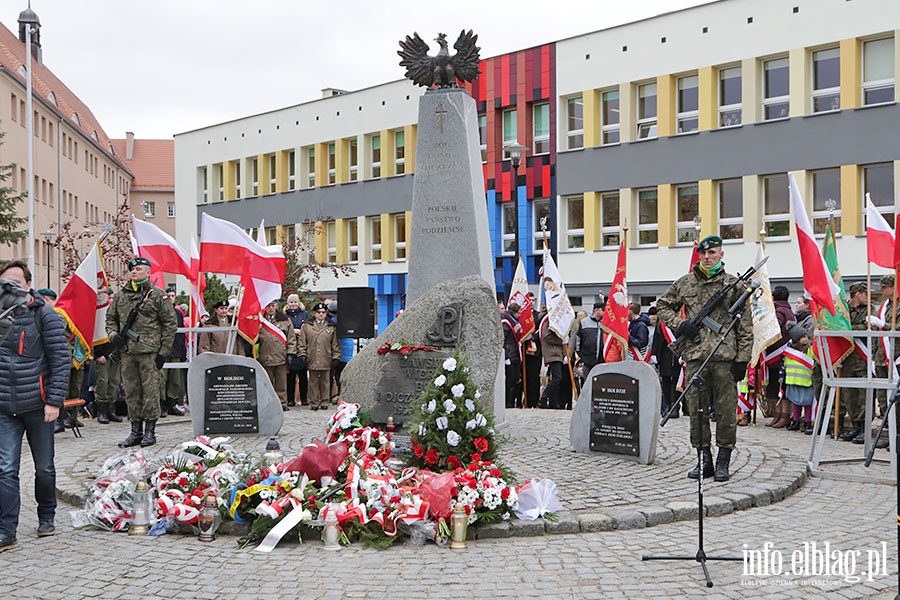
[34,377]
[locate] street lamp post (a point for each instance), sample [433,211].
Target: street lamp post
[48,236]
[515,150]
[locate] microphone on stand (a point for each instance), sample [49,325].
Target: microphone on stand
[739,305]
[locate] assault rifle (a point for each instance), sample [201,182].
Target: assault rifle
[125,334]
[703,319]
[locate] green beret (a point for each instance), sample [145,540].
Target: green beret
[138,260]
[887,281]
[709,242]
[52,294]
[859,286]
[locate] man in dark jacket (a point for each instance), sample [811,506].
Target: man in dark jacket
[590,339]
[638,329]
[34,376]
[296,312]
[509,323]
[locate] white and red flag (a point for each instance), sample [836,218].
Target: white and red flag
[615,316]
[198,284]
[161,249]
[84,301]
[816,275]
[559,308]
[518,293]
[226,248]
[879,237]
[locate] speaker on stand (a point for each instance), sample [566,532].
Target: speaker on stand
[356,312]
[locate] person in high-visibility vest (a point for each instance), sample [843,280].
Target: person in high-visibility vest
[798,366]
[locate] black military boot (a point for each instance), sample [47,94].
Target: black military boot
[861,436]
[723,460]
[111,413]
[136,435]
[707,459]
[853,432]
[102,412]
[149,438]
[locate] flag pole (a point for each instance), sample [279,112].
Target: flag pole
[831,205]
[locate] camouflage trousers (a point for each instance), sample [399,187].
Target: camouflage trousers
[715,389]
[108,377]
[141,380]
[172,387]
[854,399]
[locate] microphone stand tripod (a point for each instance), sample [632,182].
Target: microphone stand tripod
[870,455]
[701,557]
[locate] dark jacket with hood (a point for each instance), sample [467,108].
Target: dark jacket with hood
[34,363]
[639,332]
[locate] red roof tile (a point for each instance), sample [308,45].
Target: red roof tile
[153,165]
[12,57]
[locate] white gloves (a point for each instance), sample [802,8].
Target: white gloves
[875,321]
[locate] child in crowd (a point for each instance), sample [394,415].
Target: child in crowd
[798,366]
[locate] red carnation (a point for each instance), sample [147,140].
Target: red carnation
[432,457]
[453,462]
[417,450]
[475,458]
[495,472]
[504,493]
[481,444]
[473,484]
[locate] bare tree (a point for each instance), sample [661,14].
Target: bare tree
[304,268]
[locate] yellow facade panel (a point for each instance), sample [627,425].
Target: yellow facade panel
[591,114]
[228,180]
[799,82]
[321,164]
[321,241]
[341,163]
[665,195]
[665,105]
[591,219]
[409,134]
[387,156]
[340,230]
[851,199]
[706,190]
[387,237]
[851,78]
[707,101]
[281,171]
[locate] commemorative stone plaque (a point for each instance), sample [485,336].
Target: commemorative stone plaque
[618,412]
[402,380]
[230,400]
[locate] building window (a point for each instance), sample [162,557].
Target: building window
[375,239]
[311,167]
[609,220]
[510,127]
[332,170]
[776,207]
[331,242]
[353,155]
[292,170]
[508,224]
[541,117]
[776,89]
[399,153]
[575,123]
[375,152]
[609,117]
[646,123]
[826,185]
[290,234]
[237,178]
[540,212]
[170,206]
[482,136]
[149,210]
[826,82]
[352,241]
[687,104]
[878,183]
[575,223]
[687,208]
[254,177]
[271,236]
[730,97]
[400,236]
[878,71]
[273,175]
[731,209]
[220,176]
[648,217]
[204,185]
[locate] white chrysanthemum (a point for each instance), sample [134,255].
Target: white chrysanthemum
[346,422]
[458,390]
[480,420]
[450,365]
[440,380]
[477,394]
[449,407]
[432,405]
[441,423]
[470,424]
[452,438]
[422,429]
[470,405]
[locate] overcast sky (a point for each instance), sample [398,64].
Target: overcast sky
[161,67]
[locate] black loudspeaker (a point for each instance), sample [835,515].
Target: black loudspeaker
[356,312]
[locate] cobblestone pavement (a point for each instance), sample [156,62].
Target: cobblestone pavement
[599,493]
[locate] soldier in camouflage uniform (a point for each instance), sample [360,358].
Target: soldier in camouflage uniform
[141,360]
[882,320]
[715,390]
[855,365]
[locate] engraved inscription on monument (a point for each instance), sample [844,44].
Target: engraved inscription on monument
[230,400]
[402,380]
[614,414]
[445,331]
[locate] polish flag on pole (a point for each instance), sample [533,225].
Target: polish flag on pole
[226,248]
[257,294]
[161,249]
[879,237]
[84,301]
[198,284]
[816,278]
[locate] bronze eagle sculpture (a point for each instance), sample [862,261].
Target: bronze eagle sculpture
[443,70]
